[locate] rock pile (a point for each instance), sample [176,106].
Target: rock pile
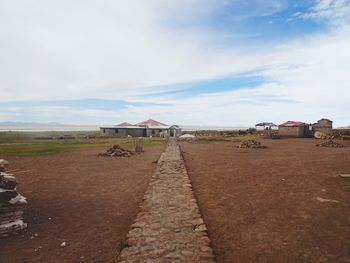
[331,143]
[187,137]
[251,144]
[12,204]
[116,151]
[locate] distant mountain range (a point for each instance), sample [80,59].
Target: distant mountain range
[14,123]
[50,126]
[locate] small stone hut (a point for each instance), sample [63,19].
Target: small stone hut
[293,129]
[142,129]
[323,125]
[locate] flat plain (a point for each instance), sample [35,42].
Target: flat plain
[73,196]
[285,203]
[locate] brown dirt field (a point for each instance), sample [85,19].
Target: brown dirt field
[265,205]
[77,197]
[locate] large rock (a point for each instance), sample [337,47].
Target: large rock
[12,228]
[7,181]
[7,195]
[4,162]
[12,204]
[3,165]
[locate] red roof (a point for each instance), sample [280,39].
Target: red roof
[293,124]
[151,122]
[125,124]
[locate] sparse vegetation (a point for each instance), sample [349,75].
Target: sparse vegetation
[220,137]
[28,144]
[121,246]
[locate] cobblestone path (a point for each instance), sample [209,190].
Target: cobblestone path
[169,227]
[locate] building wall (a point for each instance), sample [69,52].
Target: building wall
[323,126]
[324,123]
[291,131]
[122,132]
[155,132]
[137,132]
[107,132]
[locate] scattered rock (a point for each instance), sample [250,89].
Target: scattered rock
[323,200]
[63,244]
[200,228]
[331,143]
[38,248]
[251,144]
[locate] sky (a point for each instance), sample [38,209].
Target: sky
[186,62]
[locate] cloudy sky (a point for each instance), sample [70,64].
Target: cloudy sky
[189,62]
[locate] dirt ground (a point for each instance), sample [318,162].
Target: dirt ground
[285,203]
[89,202]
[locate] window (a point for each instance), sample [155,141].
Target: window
[116,130]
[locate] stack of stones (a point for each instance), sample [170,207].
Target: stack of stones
[331,143]
[12,204]
[116,151]
[251,144]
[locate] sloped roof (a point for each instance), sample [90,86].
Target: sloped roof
[293,124]
[125,124]
[120,127]
[150,122]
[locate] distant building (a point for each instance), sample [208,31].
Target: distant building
[265,126]
[143,129]
[174,131]
[301,129]
[154,128]
[122,130]
[293,129]
[324,126]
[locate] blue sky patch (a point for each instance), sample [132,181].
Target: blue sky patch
[244,81]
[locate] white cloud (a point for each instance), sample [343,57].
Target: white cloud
[125,49]
[309,80]
[336,11]
[111,49]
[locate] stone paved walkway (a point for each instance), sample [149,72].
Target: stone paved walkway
[169,227]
